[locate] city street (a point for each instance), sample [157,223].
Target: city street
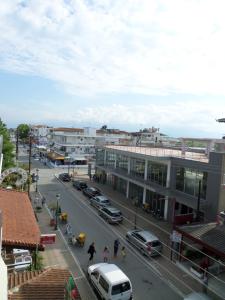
[143,272]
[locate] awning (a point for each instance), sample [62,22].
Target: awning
[55,156]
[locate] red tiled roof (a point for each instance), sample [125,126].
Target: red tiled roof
[49,285]
[68,129]
[20,228]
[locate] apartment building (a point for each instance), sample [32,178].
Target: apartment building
[78,144]
[182,186]
[40,134]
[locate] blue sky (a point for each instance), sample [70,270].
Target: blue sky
[129,64]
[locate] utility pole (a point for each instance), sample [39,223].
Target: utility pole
[17,141]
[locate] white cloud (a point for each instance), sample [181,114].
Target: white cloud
[176,119]
[131,46]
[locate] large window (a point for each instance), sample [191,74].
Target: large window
[191,181]
[100,157]
[122,162]
[137,167]
[110,159]
[136,193]
[157,173]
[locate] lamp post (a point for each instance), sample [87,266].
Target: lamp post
[56,212]
[29,163]
[37,177]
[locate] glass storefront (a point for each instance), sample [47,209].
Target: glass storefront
[122,162]
[121,186]
[136,193]
[189,181]
[157,173]
[100,157]
[155,201]
[137,167]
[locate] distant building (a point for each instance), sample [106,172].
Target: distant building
[40,134]
[77,145]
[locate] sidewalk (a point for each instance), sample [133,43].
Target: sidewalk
[162,229]
[59,254]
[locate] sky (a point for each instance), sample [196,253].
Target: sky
[129,64]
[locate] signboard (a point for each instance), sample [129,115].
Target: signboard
[176,237]
[47,238]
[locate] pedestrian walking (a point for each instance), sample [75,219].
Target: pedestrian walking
[43,200]
[116,247]
[91,251]
[106,254]
[123,253]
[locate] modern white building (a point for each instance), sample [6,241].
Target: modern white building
[77,145]
[40,134]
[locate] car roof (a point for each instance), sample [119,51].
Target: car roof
[147,235]
[112,273]
[112,209]
[101,197]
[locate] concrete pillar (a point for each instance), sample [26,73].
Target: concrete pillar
[128,166]
[168,174]
[166,208]
[146,170]
[127,192]
[115,161]
[104,157]
[144,196]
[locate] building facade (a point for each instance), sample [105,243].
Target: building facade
[181,187]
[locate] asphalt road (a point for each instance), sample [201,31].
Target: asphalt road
[147,281]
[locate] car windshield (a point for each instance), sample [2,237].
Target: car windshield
[105,201]
[121,288]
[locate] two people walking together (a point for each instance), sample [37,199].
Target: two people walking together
[106,252]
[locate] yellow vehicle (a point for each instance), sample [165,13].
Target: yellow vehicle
[80,239]
[63,217]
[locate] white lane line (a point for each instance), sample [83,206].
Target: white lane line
[92,214]
[66,244]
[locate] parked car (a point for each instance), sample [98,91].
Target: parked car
[145,241]
[64,177]
[111,214]
[80,185]
[110,282]
[91,192]
[99,201]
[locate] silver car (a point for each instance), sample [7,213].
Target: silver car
[111,214]
[99,201]
[145,241]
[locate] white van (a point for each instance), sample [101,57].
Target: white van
[110,282]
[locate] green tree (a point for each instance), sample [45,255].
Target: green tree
[8,147]
[23,131]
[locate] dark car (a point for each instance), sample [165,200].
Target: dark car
[80,185]
[64,177]
[91,192]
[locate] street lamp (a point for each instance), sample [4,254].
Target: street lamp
[57,210]
[37,177]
